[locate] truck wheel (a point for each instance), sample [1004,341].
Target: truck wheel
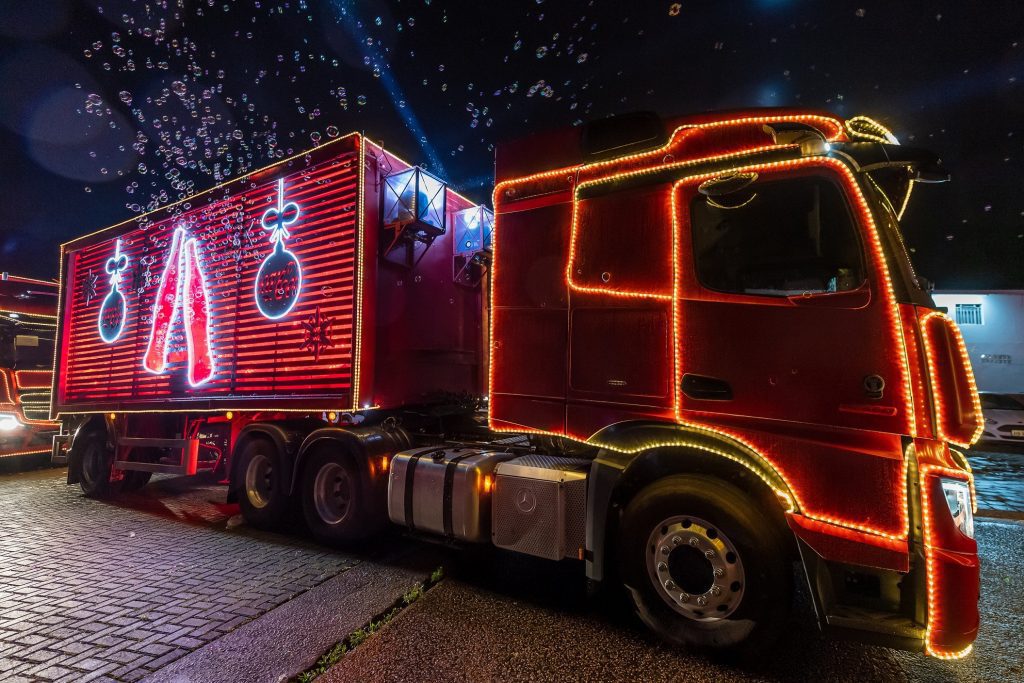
[334,501]
[97,463]
[703,568]
[135,480]
[263,497]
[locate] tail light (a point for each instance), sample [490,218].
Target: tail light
[958,417]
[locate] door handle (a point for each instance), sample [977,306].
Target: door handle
[706,388]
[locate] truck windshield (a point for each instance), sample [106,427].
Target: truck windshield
[24,346]
[789,237]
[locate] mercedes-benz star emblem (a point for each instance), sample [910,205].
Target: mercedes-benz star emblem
[526,501]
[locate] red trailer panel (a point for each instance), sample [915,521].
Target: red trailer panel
[249,296]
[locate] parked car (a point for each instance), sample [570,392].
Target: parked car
[1004,417]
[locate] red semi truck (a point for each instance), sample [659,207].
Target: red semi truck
[28,320]
[687,352]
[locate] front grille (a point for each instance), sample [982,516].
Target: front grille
[35,404]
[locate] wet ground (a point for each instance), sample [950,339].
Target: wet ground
[509,618]
[999,477]
[168,583]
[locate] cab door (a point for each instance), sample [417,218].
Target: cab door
[619,274]
[785,316]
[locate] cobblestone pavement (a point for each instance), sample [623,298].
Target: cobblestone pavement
[998,479]
[98,590]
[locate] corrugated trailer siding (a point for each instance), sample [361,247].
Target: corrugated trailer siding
[254,356]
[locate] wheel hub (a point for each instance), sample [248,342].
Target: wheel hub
[259,480]
[695,568]
[332,493]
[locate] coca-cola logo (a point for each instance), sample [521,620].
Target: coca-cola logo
[278,284]
[112,316]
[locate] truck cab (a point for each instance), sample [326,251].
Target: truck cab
[721,307]
[28,311]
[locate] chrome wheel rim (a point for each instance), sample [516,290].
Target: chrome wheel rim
[259,481]
[695,568]
[332,493]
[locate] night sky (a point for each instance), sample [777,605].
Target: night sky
[112,107]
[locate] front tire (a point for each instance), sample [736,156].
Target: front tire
[262,497]
[97,474]
[336,504]
[704,566]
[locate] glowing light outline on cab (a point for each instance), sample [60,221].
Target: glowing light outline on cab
[574,230]
[15,402]
[931,564]
[7,389]
[115,280]
[22,278]
[875,132]
[19,385]
[185,245]
[881,267]
[579,168]
[933,380]
[11,455]
[278,234]
[34,315]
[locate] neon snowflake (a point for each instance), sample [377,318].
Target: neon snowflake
[316,335]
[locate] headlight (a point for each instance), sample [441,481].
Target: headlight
[8,422]
[989,420]
[958,498]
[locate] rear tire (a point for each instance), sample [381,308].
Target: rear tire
[704,567]
[260,483]
[336,504]
[97,462]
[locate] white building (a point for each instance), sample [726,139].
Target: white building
[992,323]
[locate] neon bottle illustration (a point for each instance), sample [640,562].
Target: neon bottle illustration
[182,289]
[114,309]
[279,279]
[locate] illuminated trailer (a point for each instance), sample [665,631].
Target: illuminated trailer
[28,320]
[264,293]
[688,353]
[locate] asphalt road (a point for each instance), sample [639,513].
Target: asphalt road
[509,618]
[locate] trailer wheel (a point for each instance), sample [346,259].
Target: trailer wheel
[334,501]
[703,568]
[97,462]
[263,497]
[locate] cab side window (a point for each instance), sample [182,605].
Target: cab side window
[777,238]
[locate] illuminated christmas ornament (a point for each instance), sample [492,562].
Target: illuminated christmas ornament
[114,309]
[182,286]
[279,278]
